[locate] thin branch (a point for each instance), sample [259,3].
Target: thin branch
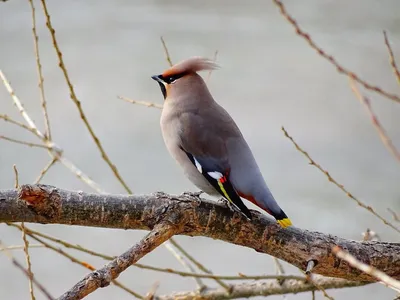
[386,140]
[19,124]
[26,272]
[69,256]
[16,183]
[19,105]
[319,287]
[56,152]
[340,186]
[395,216]
[259,288]
[306,36]
[210,72]
[20,247]
[391,58]
[163,270]
[148,104]
[197,263]
[46,169]
[167,56]
[28,261]
[23,142]
[201,286]
[194,217]
[78,103]
[387,280]
[103,276]
[47,132]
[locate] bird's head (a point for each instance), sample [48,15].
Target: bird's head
[183,75]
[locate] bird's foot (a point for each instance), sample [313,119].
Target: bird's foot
[193,195]
[229,205]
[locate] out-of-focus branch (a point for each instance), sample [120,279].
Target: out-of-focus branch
[340,186]
[391,57]
[26,272]
[386,140]
[306,36]
[78,103]
[384,278]
[46,204]
[102,277]
[262,288]
[47,132]
[144,103]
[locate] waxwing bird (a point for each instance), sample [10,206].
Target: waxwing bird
[206,142]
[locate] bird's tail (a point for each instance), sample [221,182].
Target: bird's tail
[282,219]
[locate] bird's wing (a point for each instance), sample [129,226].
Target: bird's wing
[205,147]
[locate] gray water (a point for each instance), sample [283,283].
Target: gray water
[269,78]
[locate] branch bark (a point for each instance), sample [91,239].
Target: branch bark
[104,276]
[197,217]
[262,288]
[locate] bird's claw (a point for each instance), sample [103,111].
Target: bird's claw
[193,195]
[228,205]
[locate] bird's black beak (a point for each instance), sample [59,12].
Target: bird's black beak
[160,81]
[157,78]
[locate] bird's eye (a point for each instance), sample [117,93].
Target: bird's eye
[171,79]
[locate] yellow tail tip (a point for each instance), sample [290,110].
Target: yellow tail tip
[285,222]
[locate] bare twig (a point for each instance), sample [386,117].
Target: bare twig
[20,247]
[394,214]
[148,104]
[210,72]
[46,169]
[260,288]
[200,284]
[103,276]
[26,272]
[340,186]
[387,280]
[163,270]
[386,140]
[391,58]
[19,124]
[28,261]
[56,152]
[318,286]
[197,263]
[16,183]
[167,56]
[72,258]
[330,58]
[47,132]
[21,109]
[23,142]
[78,103]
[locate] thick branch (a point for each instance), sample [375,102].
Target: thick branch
[195,217]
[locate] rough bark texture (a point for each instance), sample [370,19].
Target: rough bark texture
[198,217]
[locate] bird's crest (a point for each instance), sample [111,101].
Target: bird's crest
[191,65]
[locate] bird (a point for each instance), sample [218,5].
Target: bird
[206,142]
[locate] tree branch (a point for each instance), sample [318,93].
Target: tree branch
[103,277]
[198,217]
[262,288]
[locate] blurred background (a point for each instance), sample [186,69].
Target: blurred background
[269,78]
